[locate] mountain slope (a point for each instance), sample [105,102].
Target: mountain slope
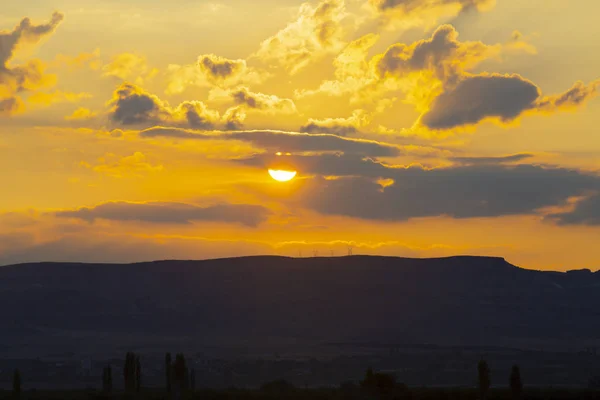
[252,300]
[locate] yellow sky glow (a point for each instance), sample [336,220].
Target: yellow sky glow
[139,130]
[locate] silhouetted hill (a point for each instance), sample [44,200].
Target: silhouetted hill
[259,300]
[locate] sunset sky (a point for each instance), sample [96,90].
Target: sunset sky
[137,130]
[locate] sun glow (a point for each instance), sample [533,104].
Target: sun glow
[282,175]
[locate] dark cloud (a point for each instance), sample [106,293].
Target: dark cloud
[259,101]
[459,192]
[586,212]
[219,68]
[10,105]
[285,141]
[92,246]
[466,98]
[26,77]
[9,241]
[324,164]
[131,105]
[506,97]
[328,28]
[404,13]
[338,126]
[243,97]
[198,116]
[409,5]
[345,165]
[177,133]
[576,96]
[335,129]
[442,53]
[171,213]
[492,160]
[25,32]
[482,96]
[363,187]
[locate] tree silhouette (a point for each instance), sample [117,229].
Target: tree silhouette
[138,374]
[107,379]
[180,372]
[516,385]
[483,371]
[17,384]
[168,371]
[130,372]
[594,382]
[127,372]
[186,379]
[369,378]
[193,380]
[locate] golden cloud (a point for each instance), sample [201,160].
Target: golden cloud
[83,60]
[352,70]
[434,75]
[128,66]
[81,113]
[57,96]
[315,31]
[212,71]
[134,165]
[406,14]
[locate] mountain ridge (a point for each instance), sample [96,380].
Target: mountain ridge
[366,256]
[460,300]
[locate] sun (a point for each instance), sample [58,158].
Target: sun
[282,175]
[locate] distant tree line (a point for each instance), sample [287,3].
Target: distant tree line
[180,380]
[378,385]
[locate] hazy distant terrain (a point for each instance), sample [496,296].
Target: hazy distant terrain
[247,304]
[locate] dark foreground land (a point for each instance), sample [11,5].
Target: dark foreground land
[314,322]
[349,393]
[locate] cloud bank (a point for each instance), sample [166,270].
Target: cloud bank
[171,213]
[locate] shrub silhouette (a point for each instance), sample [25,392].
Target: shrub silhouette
[378,383]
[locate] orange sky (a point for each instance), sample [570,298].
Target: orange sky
[136,130]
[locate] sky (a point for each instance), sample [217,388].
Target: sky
[136,130]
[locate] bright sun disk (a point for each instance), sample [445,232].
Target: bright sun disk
[282,175]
